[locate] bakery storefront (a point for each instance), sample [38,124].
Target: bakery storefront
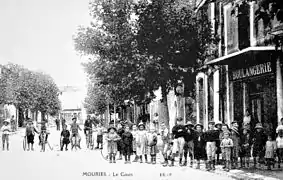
[252,86]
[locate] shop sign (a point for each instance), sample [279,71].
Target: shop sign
[252,71]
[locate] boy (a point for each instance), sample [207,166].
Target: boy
[211,136]
[127,141]
[134,133]
[189,144]
[5,129]
[65,138]
[246,142]
[178,132]
[162,141]
[226,145]
[279,144]
[152,141]
[75,132]
[199,145]
[259,142]
[235,136]
[169,153]
[99,138]
[43,129]
[30,132]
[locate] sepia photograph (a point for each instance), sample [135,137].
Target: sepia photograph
[141,89]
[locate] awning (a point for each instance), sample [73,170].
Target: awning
[228,58]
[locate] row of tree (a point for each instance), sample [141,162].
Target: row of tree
[28,90]
[137,47]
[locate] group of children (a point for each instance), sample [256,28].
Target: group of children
[218,145]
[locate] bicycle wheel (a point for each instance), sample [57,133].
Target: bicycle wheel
[104,151]
[24,144]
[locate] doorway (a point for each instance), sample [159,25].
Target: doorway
[256,107]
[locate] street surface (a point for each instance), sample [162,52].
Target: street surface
[82,164]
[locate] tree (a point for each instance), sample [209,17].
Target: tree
[176,38]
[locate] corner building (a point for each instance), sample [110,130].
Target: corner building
[247,73]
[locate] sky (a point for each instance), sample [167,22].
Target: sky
[38,35]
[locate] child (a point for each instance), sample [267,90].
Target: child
[218,126]
[246,147]
[189,144]
[43,129]
[112,137]
[141,140]
[199,145]
[211,137]
[75,132]
[127,141]
[259,142]
[152,141]
[279,144]
[235,136]
[5,129]
[99,138]
[30,132]
[65,138]
[120,132]
[134,133]
[162,141]
[269,151]
[226,145]
[169,153]
[224,128]
[280,127]
[179,133]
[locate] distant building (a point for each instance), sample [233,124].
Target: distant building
[72,103]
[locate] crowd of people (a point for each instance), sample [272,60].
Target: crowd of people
[220,144]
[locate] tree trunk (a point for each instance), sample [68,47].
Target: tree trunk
[114,114]
[36,115]
[21,117]
[42,116]
[26,113]
[164,111]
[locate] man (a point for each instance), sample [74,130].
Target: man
[57,124]
[189,144]
[13,123]
[87,127]
[178,132]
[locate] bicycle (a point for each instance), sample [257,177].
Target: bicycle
[75,141]
[43,141]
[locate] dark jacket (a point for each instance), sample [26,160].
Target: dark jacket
[189,134]
[199,140]
[65,134]
[178,131]
[259,139]
[211,135]
[127,138]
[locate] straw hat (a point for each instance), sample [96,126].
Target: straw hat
[258,126]
[235,129]
[211,122]
[112,127]
[141,124]
[198,124]
[189,123]
[7,121]
[218,122]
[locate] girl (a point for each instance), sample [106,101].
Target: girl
[112,137]
[141,140]
[162,141]
[5,129]
[152,141]
[127,141]
[227,145]
[269,151]
[134,133]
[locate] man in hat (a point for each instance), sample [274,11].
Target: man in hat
[259,142]
[218,126]
[211,136]
[75,131]
[178,132]
[189,144]
[5,129]
[235,136]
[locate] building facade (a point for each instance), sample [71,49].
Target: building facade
[247,74]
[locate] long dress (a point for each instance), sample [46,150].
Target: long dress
[134,133]
[141,140]
[112,139]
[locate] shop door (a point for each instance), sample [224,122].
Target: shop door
[256,108]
